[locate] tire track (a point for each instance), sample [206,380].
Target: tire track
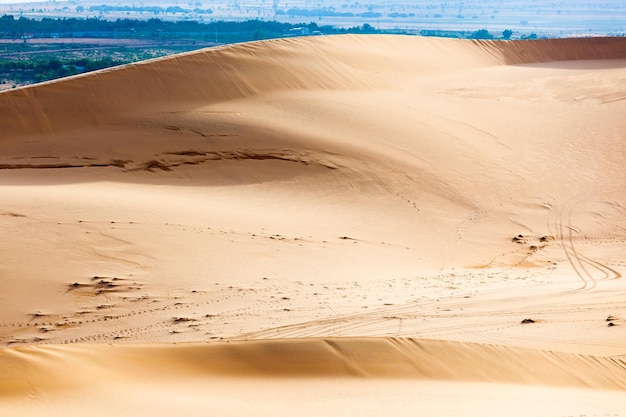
[351,324]
[122,323]
[583,266]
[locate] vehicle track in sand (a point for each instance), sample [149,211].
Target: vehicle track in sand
[584,267]
[446,316]
[432,318]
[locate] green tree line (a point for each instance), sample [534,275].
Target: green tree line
[39,70]
[15,28]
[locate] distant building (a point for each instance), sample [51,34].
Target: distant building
[299,31]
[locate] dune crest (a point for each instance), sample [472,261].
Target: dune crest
[32,369]
[237,71]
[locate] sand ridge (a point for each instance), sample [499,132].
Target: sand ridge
[265,375]
[237,71]
[35,368]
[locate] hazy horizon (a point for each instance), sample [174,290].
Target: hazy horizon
[565,19]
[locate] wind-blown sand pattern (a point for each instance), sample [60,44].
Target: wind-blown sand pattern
[349,225]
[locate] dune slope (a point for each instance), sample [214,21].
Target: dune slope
[102,376]
[36,368]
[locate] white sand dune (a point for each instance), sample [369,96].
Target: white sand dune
[317,191]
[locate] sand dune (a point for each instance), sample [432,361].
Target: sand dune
[317,191]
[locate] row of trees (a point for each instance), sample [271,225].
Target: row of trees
[105,8]
[325,12]
[10,27]
[479,34]
[26,71]
[506,35]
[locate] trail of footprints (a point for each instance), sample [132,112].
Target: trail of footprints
[43,328]
[124,309]
[113,309]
